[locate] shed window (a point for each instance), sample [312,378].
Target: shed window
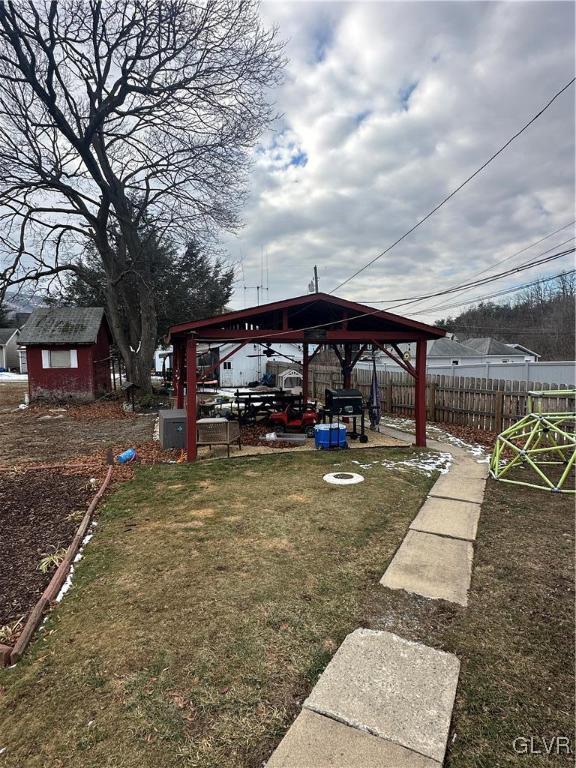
[455,362]
[59,358]
[228,366]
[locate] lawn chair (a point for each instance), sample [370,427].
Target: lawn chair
[218,432]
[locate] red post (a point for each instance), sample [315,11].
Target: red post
[191,448]
[420,396]
[305,362]
[177,366]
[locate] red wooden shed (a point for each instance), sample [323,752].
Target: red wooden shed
[316,319]
[68,352]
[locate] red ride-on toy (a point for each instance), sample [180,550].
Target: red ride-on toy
[294,420]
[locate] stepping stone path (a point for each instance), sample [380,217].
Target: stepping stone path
[382,702]
[448,517]
[386,702]
[434,566]
[435,558]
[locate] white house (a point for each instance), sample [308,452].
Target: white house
[9,357]
[494,351]
[249,363]
[243,367]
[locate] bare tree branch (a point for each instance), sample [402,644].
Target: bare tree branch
[117,114]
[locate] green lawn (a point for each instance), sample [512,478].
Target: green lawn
[204,609]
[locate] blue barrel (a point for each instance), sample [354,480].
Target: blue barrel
[330,436]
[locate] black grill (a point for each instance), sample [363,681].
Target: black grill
[343,402]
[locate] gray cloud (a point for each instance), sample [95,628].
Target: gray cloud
[388,106]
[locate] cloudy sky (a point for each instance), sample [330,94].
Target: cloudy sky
[386,107]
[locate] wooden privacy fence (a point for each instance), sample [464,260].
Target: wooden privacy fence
[489,404]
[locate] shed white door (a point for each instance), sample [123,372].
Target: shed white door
[226,374]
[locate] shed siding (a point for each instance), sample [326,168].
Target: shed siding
[60,382]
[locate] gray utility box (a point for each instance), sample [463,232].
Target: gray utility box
[173,428]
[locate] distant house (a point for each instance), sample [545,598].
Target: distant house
[447,353]
[67,352]
[442,352]
[494,351]
[9,358]
[450,352]
[529,355]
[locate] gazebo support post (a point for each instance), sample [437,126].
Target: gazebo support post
[305,363]
[177,366]
[191,449]
[420,394]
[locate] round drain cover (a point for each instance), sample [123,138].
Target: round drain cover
[343,478]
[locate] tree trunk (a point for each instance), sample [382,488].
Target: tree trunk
[138,356]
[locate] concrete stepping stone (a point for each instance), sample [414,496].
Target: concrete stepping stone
[467,467]
[315,741]
[398,690]
[448,517]
[455,485]
[432,566]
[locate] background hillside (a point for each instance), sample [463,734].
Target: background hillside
[542,319]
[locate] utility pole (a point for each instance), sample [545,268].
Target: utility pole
[315,278]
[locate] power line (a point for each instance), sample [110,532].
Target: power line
[464,288]
[463,184]
[378,311]
[392,303]
[468,328]
[527,248]
[503,292]
[484,281]
[457,286]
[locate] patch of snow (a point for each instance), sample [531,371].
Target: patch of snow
[156,433]
[7,376]
[68,583]
[425,462]
[443,436]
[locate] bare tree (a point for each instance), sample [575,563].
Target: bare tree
[115,115]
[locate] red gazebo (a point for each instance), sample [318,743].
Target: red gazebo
[316,319]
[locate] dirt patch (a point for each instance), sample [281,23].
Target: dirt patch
[206,512]
[27,438]
[13,392]
[35,519]
[298,497]
[207,485]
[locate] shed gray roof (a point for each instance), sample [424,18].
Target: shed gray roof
[6,334]
[486,345]
[450,348]
[62,325]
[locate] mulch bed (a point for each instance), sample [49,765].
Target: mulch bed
[471,435]
[253,434]
[34,520]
